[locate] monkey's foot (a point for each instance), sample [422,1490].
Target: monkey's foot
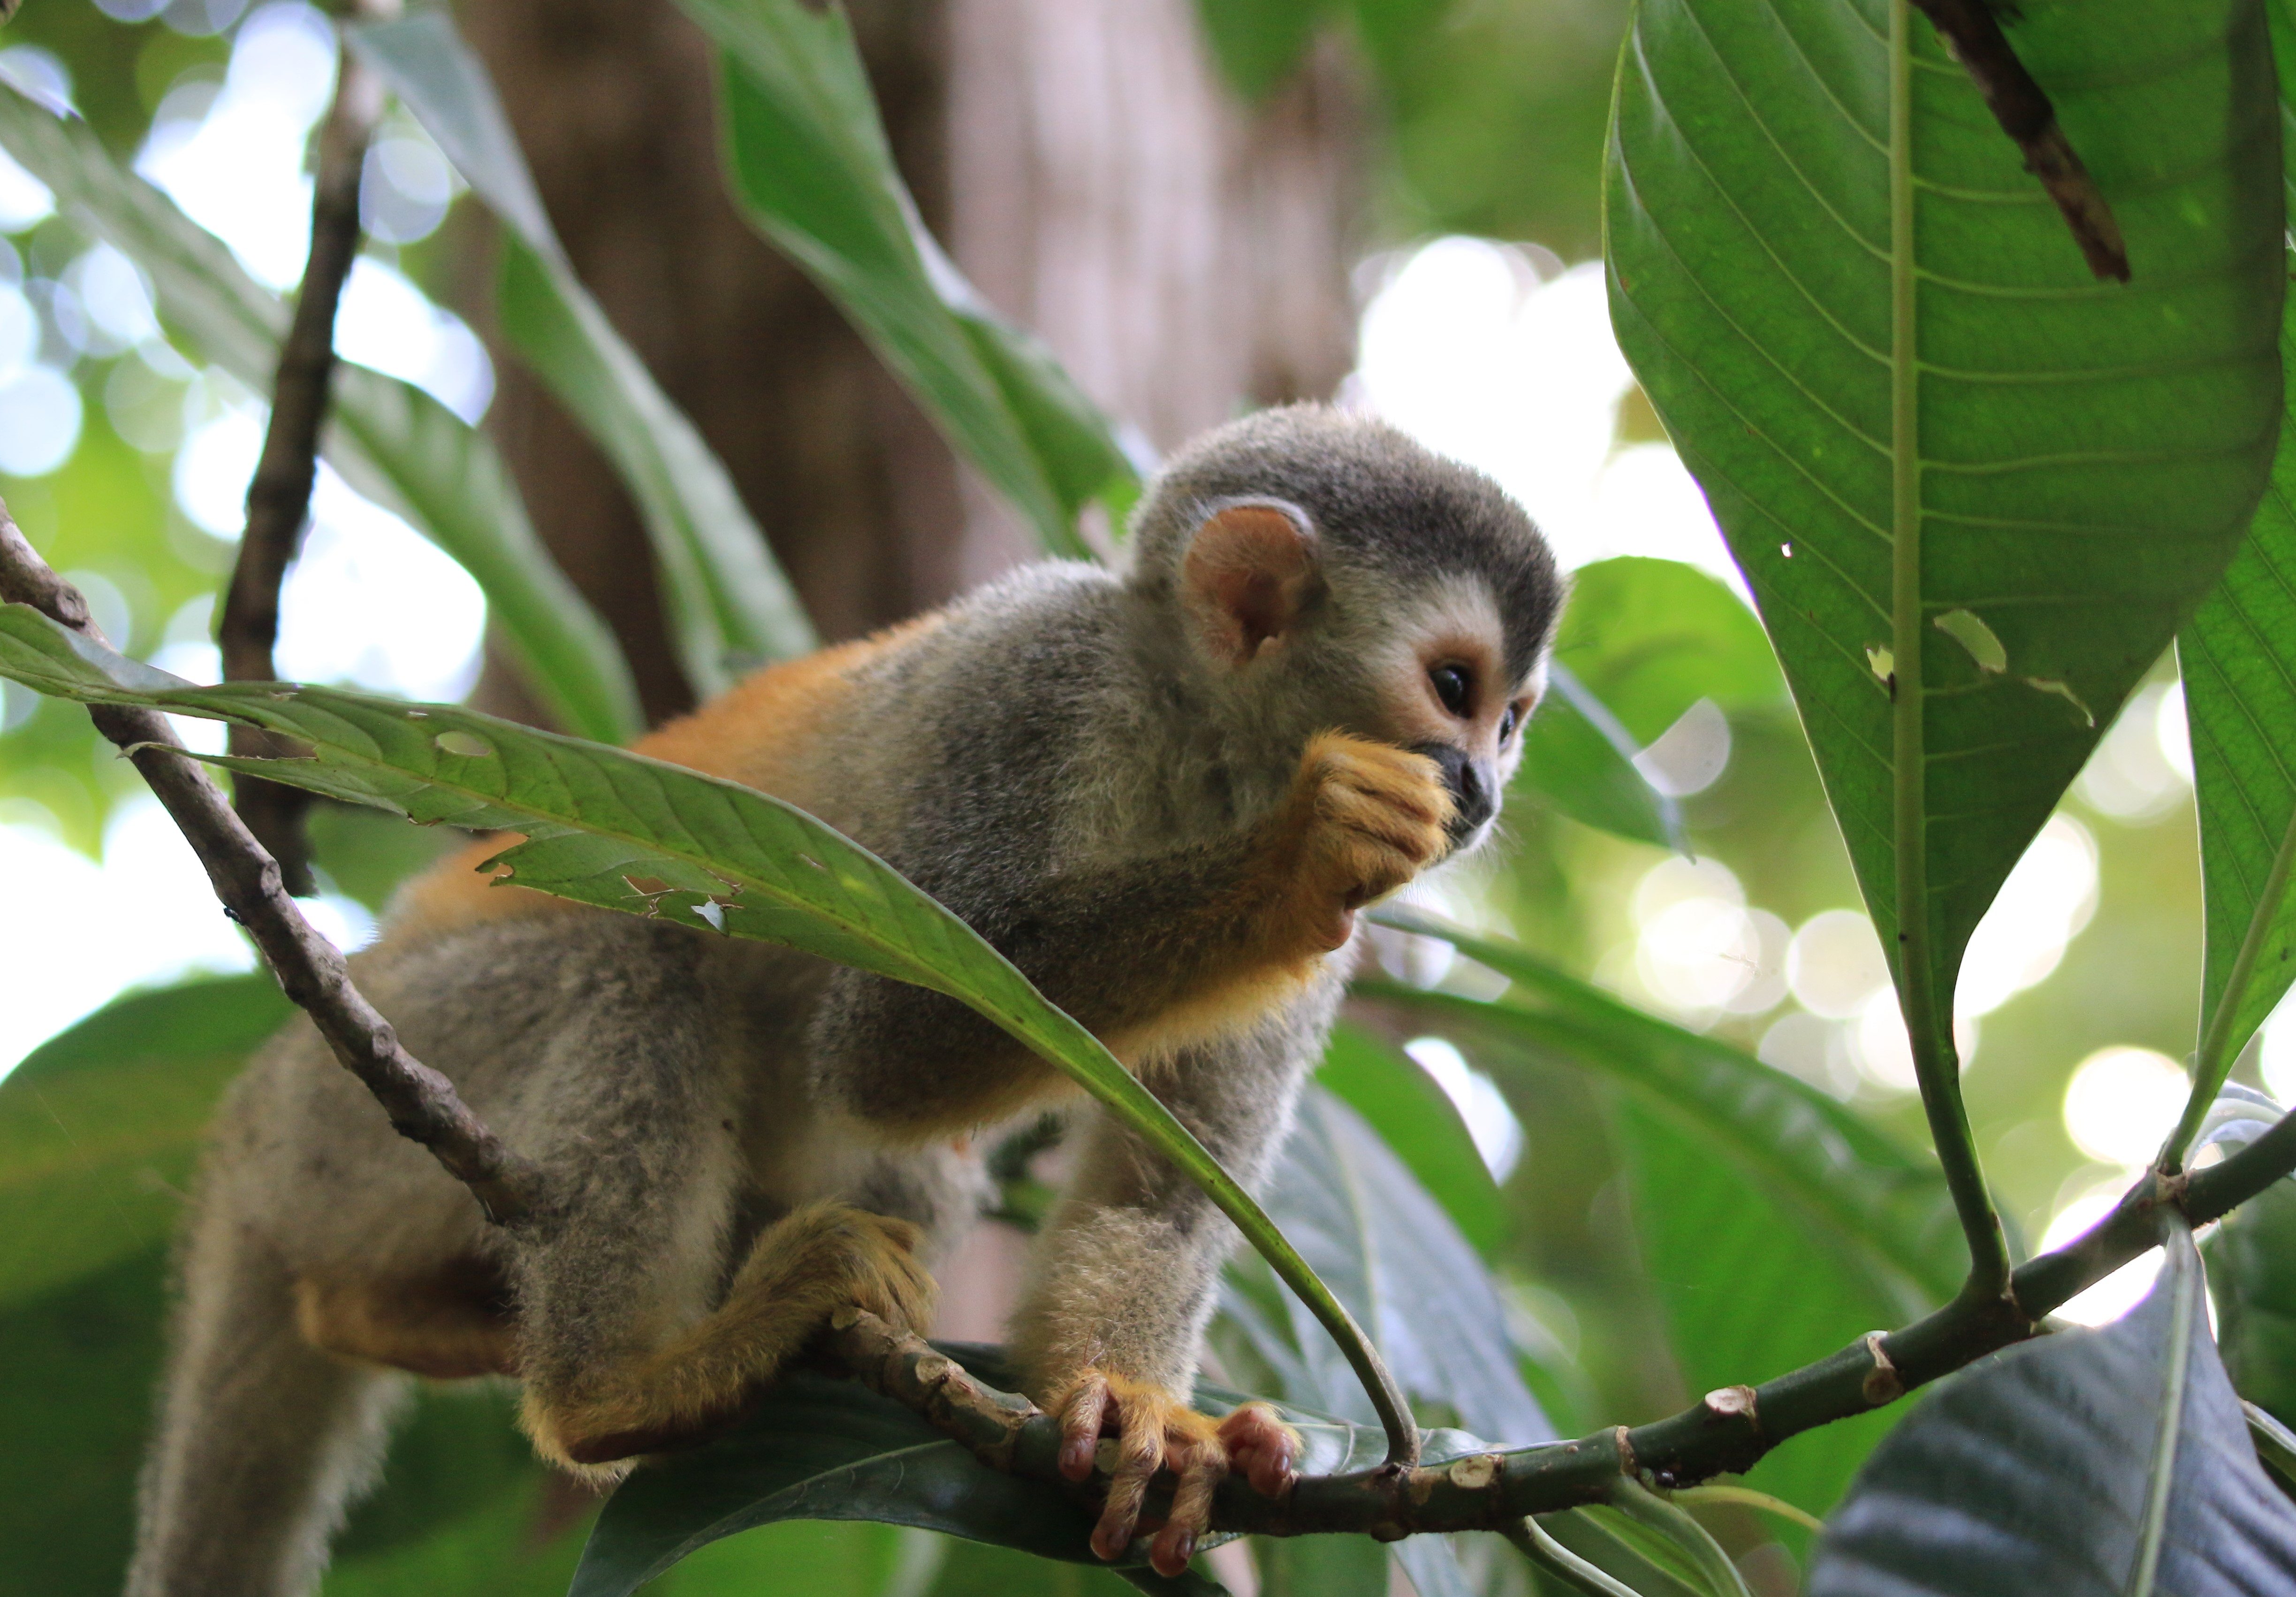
[806,1266]
[1369,816]
[1155,1430]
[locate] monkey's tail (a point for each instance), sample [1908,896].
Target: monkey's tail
[261,1438]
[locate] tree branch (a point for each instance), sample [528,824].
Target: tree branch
[1972,31]
[279,496]
[1727,1433]
[423,1104]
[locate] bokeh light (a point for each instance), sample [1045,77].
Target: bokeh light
[2121,1102]
[1497,355]
[1497,1134]
[2045,905]
[2118,1293]
[2131,778]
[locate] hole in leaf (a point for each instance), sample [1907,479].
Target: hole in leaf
[1883,662]
[712,911]
[2064,693]
[1968,629]
[1786,549]
[468,744]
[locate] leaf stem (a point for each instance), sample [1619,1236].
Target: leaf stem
[1928,1030]
[1532,1540]
[2214,1060]
[1671,1521]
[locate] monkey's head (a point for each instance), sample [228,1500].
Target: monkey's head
[1324,570]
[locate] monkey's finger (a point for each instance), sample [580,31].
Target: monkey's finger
[1264,1449]
[1191,1510]
[1080,1421]
[1120,1515]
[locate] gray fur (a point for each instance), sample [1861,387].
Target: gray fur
[1057,763]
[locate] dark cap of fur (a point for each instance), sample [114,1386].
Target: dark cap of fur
[1374,496]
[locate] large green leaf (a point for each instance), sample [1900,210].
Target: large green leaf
[391,441]
[609,827]
[2252,1275]
[1382,1243]
[819,1448]
[1379,1242]
[1652,638]
[2251,1263]
[1886,1205]
[1641,642]
[100,1126]
[77,1370]
[1579,757]
[2238,659]
[2112,1463]
[1420,1126]
[809,164]
[1974,491]
[1750,1286]
[730,606]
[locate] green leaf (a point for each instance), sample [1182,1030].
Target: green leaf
[1405,1272]
[1578,757]
[1652,638]
[809,164]
[730,606]
[2252,1273]
[1376,1237]
[1420,1126]
[100,1127]
[1867,332]
[1884,1202]
[818,1448]
[391,441]
[1641,642]
[2250,1256]
[1750,1284]
[2114,1462]
[2238,659]
[609,827]
[76,1386]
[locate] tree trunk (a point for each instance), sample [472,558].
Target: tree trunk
[1184,256]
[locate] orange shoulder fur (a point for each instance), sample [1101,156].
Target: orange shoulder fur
[759,733]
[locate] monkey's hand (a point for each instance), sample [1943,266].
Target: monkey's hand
[1155,1430]
[1363,818]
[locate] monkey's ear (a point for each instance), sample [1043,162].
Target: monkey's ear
[1248,573]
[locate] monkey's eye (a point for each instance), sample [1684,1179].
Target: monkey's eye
[1450,686]
[1506,723]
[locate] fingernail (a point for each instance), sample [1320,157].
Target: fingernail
[1182,1550]
[1076,1460]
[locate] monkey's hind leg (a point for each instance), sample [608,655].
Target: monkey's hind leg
[801,1270]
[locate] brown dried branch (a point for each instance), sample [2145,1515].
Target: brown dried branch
[279,496]
[423,1104]
[1972,33]
[1727,1432]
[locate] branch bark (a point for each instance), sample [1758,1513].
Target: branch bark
[423,1104]
[279,496]
[1972,30]
[1727,1433]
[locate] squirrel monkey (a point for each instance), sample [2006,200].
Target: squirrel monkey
[1163,794]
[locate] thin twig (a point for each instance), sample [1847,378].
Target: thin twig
[423,1104]
[1726,1434]
[1972,33]
[279,496]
